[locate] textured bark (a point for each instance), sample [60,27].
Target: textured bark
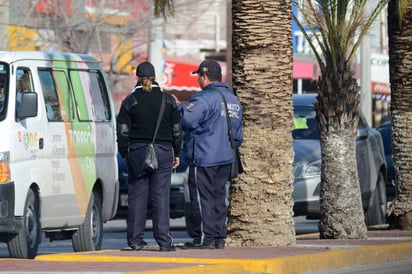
[337,110]
[261,204]
[400,63]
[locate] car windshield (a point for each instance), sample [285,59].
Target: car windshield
[304,119]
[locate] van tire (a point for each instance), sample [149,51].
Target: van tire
[26,243]
[89,236]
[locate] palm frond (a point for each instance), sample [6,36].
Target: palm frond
[366,26]
[338,27]
[402,6]
[311,20]
[164,7]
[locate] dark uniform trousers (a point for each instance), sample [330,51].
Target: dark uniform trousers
[158,184]
[207,187]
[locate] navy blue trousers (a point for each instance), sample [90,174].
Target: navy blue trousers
[207,187]
[158,184]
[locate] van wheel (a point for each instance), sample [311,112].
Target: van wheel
[376,214]
[89,236]
[26,243]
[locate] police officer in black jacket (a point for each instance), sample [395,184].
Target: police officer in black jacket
[135,127]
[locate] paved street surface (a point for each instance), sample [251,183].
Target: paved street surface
[310,254]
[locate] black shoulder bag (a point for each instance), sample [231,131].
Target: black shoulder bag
[237,166]
[143,159]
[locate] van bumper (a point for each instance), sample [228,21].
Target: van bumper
[8,224]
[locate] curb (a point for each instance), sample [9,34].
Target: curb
[343,257]
[332,258]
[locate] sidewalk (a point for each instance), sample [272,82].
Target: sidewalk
[310,254]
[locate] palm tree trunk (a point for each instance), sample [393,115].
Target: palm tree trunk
[261,204]
[340,199]
[400,62]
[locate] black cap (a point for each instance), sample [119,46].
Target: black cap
[145,69]
[209,67]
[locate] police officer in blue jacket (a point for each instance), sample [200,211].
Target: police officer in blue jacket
[209,154]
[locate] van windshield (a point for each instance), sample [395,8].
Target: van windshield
[4,89]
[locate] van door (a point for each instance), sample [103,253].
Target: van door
[93,110]
[26,139]
[59,205]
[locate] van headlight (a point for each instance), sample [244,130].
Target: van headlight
[4,167]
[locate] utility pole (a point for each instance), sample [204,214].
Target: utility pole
[155,50]
[366,92]
[229,44]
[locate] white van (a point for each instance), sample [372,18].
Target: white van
[58,152]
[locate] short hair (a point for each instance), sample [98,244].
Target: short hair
[213,77]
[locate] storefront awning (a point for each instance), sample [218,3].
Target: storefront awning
[304,70]
[178,75]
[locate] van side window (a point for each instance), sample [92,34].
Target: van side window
[91,95]
[101,89]
[51,101]
[64,93]
[24,82]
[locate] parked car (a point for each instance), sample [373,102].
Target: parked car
[177,199]
[307,164]
[386,133]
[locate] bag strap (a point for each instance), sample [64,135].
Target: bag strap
[159,118]
[229,123]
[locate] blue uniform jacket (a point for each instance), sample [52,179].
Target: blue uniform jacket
[206,140]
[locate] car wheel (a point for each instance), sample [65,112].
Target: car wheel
[26,243]
[376,214]
[89,236]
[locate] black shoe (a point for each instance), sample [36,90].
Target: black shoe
[190,245]
[167,248]
[220,244]
[137,247]
[210,245]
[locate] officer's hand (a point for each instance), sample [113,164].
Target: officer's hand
[176,162]
[176,99]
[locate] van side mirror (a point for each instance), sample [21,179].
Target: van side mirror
[27,106]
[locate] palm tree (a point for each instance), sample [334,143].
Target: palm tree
[400,60]
[163,7]
[338,28]
[261,204]
[261,199]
